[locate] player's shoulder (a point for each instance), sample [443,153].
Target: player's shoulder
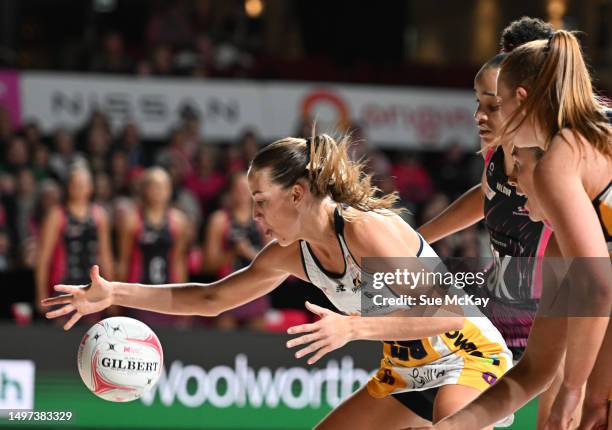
[565,156]
[179,222]
[218,220]
[567,143]
[177,216]
[285,258]
[563,152]
[126,216]
[561,164]
[376,232]
[99,213]
[56,211]
[55,215]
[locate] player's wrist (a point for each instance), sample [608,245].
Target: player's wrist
[354,323]
[571,386]
[113,297]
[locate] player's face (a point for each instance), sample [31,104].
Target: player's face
[273,208]
[522,175]
[80,186]
[157,189]
[487,115]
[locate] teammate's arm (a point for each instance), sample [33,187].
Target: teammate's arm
[567,206]
[105,253]
[462,213]
[531,376]
[125,236]
[48,238]
[214,256]
[180,248]
[599,388]
[269,269]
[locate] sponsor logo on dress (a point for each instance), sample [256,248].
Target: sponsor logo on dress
[503,189]
[489,378]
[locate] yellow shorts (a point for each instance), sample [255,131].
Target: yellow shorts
[471,371]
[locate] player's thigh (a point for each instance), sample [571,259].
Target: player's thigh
[362,411]
[452,398]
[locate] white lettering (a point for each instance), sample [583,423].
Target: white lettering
[296,387]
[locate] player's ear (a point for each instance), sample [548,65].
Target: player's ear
[521,94]
[298,190]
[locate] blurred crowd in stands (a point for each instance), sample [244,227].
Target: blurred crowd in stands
[208,189]
[254,39]
[185,38]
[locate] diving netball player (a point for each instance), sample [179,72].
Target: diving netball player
[324,216]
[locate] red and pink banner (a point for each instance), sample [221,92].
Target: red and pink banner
[9,95]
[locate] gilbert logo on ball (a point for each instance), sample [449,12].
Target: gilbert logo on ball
[120,359]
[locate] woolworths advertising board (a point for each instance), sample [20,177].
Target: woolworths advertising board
[211,380]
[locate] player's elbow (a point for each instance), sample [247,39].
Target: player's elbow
[539,374]
[207,311]
[602,295]
[210,310]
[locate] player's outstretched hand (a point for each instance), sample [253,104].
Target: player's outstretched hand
[83,299]
[566,402]
[594,416]
[331,332]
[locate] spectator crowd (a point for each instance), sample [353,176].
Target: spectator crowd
[207,187]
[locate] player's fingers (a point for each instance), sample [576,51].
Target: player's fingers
[59,300]
[302,328]
[310,348]
[316,309]
[320,353]
[307,338]
[589,426]
[94,273]
[70,289]
[72,321]
[61,311]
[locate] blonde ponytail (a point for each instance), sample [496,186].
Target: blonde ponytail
[560,94]
[332,172]
[326,165]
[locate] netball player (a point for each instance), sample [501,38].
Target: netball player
[73,236]
[231,242]
[153,240]
[515,240]
[600,380]
[511,232]
[573,180]
[324,216]
[571,188]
